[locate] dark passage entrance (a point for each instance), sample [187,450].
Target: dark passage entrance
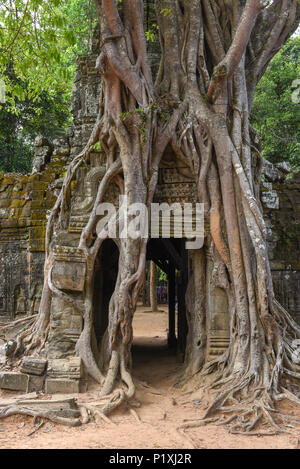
[106,271]
[166,332]
[160,337]
[170,255]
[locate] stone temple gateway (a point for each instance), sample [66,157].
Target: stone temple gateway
[24,204]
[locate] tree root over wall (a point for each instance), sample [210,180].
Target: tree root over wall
[212,55]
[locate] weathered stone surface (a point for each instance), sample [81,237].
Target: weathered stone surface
[272,172]
[36,383]
[43,152]
[65,368]
[284,166]
[283,236]
[41,141]
[33,365]
[24,201]
[8,348]
[41,158]
[61,146]
[270,199]
[69,275]
[3,361]
[69,132]
[62,386]
[14,381]
[65,329]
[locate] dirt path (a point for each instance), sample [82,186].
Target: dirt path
[163,409]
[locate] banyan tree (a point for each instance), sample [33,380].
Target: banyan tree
[195,105]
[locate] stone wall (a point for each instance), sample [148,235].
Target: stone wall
[25,199]
[24,202]
[85,105]
[281,201]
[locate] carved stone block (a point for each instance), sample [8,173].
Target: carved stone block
[14,381]
[33,366]
[70,368]
[76,324]
[69,275]
[36,383]
[62,386]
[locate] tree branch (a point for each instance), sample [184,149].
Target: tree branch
[279,25]
[227,66]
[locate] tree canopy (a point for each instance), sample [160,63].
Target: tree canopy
[39,43]
[275,112]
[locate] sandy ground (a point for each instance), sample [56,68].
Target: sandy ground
[163,409]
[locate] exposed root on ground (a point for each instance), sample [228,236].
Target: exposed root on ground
[69,411]
[46,414]
[245,408]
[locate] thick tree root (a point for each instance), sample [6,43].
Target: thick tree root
[25,321]
[250,397]
[69,412]
[250,408]
[37,427]
[135,415]
[88,411]
[197,423]
[271,433]
[113,401]
[48,415]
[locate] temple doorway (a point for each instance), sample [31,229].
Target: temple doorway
[106,271]
[157,336]
[160,337]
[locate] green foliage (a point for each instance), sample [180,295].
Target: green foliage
[98,146]
[15,156]
[40,41]
[166,12]
[47,115]
[34,37]
[275,112]
[39,44]
[151,34]
[160,275]
[82,19]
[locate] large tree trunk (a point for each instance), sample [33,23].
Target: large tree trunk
[212,55]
